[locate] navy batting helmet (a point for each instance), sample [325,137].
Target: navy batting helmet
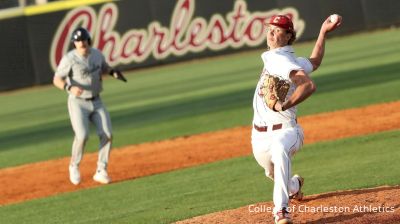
[80,34]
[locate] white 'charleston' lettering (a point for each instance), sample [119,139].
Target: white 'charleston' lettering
[185,33]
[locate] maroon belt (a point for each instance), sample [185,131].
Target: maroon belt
[265,128]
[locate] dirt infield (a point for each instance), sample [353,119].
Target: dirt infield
[375,205]
[48,178]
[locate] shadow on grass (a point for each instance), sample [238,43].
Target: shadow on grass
[357,78]
[153,115]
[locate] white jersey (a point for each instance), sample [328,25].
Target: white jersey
[278,62]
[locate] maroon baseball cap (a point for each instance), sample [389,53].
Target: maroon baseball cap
[282,21]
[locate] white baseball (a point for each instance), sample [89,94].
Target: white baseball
[334,18]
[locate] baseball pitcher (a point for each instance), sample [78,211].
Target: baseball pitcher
[284,83]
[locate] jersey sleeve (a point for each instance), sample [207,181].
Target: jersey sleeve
[104,65]
[289,66]
[64,67]
[280,65]
[305,64]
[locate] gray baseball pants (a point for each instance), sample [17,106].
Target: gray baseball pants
[81,112]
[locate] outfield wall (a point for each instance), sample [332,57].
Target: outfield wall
[134,34]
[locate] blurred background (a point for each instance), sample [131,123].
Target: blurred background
[6,4]
[137,34]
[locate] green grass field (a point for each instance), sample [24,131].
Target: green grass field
[164,198]
[195,97]
[201,96]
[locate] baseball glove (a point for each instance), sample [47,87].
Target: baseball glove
[117,74]
[274,89]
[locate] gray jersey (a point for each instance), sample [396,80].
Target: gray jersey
[84,72]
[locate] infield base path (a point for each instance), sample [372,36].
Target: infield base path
[49,178]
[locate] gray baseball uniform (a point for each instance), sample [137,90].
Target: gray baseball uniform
[86,73]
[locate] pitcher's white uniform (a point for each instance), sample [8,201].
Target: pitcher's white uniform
[276,136]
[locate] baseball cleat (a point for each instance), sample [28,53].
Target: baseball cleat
[282,217]
[102,177]
[74,175]
[299,195]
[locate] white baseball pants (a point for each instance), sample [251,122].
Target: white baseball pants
[273,151]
